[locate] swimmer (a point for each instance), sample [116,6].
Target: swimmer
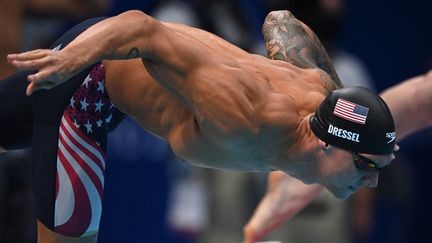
[235,110]
[221,107]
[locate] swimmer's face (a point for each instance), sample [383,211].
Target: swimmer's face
[343,172]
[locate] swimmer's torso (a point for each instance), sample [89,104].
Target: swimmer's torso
[239,113]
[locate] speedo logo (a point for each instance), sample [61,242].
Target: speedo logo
[391,136]
[342,133]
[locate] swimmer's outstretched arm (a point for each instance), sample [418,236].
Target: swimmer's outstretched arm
[130,35]
[284,198]
[199,70]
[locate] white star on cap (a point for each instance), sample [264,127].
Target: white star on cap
[99,106]
[88,126]
[99,123]
[84,104]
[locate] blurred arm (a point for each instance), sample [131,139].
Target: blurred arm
[410,104]
[285,197]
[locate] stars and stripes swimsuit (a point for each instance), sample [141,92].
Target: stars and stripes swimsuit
[67,129]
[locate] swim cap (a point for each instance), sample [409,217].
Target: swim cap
[356,119]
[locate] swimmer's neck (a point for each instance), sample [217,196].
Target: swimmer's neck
[302,160]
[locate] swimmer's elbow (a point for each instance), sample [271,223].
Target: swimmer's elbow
[133,14]
[130,35]
[278,14]
[139,18]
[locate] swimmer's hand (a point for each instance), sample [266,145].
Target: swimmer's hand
[54,67]
[285,197]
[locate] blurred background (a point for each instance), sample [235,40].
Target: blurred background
[151,196]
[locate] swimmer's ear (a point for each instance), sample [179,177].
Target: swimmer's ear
[323,145]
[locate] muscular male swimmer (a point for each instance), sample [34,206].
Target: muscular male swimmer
[286,196]
[224,108]
[221,107]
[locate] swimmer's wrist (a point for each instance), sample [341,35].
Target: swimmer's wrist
[80,58]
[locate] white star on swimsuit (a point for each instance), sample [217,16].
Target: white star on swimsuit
[108,119]
[101,86]
[99,106]
[84,104]
[87,80]
[88,126]
[57,48]
[72,102]
[76,123]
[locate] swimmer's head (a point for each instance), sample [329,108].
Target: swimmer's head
[355,119]
[357,135]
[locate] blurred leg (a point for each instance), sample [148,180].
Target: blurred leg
[45,235]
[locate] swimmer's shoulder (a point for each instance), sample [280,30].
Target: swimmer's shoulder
[279,116]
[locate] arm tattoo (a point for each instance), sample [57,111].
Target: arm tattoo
[286,39]
[133,53]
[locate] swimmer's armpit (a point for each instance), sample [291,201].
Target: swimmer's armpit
[133,53]
[290,40]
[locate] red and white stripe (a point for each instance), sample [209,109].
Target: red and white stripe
[80,180]
[345,109]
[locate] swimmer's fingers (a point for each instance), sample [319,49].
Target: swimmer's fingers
[43,75]
[32,64]
[37,59]
[53,64]
[27,56]
[41,80]
[32,87]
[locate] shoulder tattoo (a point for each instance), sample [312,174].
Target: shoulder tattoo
[287,39]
